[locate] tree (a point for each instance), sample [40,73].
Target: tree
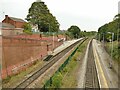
[117,17]
[39,14]
[109,27]
[114,27]
[27,28]
[75,31]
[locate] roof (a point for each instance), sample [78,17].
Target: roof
[17,19]
[6,25]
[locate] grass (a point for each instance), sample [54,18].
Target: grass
[67,78]
[11,81]
[70,77]
[116,55]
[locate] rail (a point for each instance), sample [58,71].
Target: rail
[54,59]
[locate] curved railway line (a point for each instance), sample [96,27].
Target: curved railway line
[52,60]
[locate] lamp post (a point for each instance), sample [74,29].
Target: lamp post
[111,49]
[103,38]
[118,31]
[99,37]
[49,29]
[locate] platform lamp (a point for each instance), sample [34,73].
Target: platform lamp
[110,63]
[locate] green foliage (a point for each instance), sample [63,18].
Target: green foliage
[87,34]
[65,70]
[74,31]
[109,27]
[115,53]
[69,34]
[40,15]
[57,79]
[27,28]
[6,80]
[114,27]
[66,76]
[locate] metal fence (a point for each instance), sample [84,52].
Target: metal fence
[49,82]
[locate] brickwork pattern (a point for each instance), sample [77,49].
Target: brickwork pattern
[19,52]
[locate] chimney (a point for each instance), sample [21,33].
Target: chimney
[6,16]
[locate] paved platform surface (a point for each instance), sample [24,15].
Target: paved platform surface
[64,45]
[18,66]
[110,75]
[55,67]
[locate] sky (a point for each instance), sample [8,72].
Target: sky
[89,15]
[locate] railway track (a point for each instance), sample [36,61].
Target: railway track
[53,60]
[91,80]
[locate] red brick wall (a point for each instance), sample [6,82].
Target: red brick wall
[6,32]
[18,51]
[19,24]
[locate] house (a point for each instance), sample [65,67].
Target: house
[17,22]
[34,28]
[12,26]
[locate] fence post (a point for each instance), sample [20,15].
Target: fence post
[50,81]
[61,67]
[44,87]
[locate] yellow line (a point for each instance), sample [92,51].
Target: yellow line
[104,82]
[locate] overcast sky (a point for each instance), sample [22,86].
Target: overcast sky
[87,14]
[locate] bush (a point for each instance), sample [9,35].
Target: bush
[57,79]
[27,28]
